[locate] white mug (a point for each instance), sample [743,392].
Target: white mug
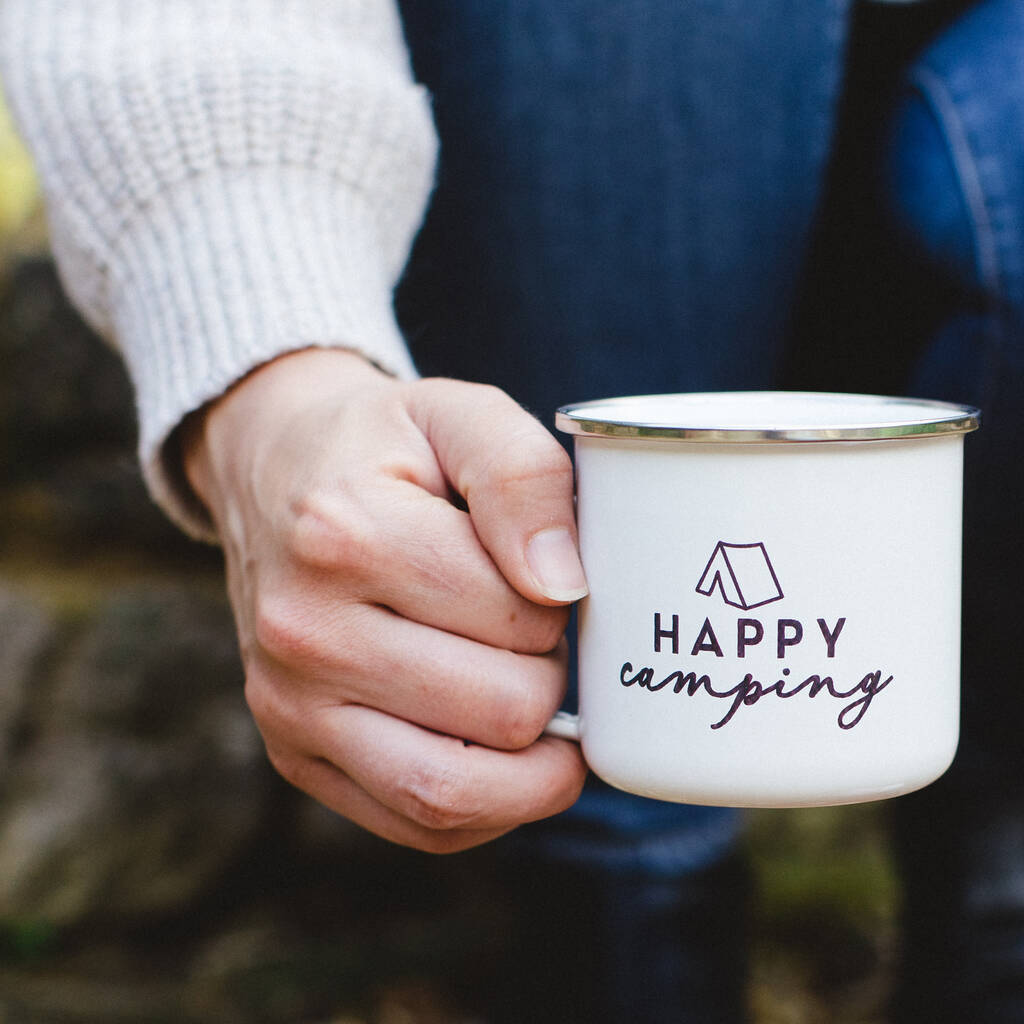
[774,608]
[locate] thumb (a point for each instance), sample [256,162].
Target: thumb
[516,480]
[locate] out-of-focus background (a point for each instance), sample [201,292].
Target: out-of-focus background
[152,867]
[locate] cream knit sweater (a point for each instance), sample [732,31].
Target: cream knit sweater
[226,180]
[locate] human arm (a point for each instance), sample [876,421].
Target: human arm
[209,240]
[224,182]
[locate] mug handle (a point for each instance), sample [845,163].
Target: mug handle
[564,725]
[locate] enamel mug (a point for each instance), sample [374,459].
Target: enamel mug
[774,608]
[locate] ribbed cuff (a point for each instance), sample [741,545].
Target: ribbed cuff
[229,270]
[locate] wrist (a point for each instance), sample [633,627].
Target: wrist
[214,438]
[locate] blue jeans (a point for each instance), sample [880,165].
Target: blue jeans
[624,205]
[625,195]
[938,226]
[955,177]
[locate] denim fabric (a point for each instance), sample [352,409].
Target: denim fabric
[956,176]
[633,948]
[625,190]
[624,199]
[625,196]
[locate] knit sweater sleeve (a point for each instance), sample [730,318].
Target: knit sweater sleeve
[225,181]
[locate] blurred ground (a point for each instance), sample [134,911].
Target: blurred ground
[152,868]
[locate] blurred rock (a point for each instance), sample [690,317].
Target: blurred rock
[133,776]
[151,662]
[144,778]
[164,870]
[63,389]
[68,470]
[27,631]
[88,501]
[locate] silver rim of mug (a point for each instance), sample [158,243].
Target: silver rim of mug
[924,418]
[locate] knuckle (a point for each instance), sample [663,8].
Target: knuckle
[288,766]
[574,773]
[529,461]
[264,702]
[323,534]
[305,634]
[435,794]
[442,843]
[569,791]
[541,631]
[522,718]
[281,630]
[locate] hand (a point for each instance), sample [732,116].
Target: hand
[402,655]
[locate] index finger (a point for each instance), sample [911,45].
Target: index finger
[516,480]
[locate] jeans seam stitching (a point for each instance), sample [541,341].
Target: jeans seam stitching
[934,92]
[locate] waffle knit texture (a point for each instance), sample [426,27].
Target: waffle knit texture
[225,182]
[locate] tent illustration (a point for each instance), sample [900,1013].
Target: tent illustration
[743,574]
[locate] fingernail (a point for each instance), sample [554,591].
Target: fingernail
[555,563]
